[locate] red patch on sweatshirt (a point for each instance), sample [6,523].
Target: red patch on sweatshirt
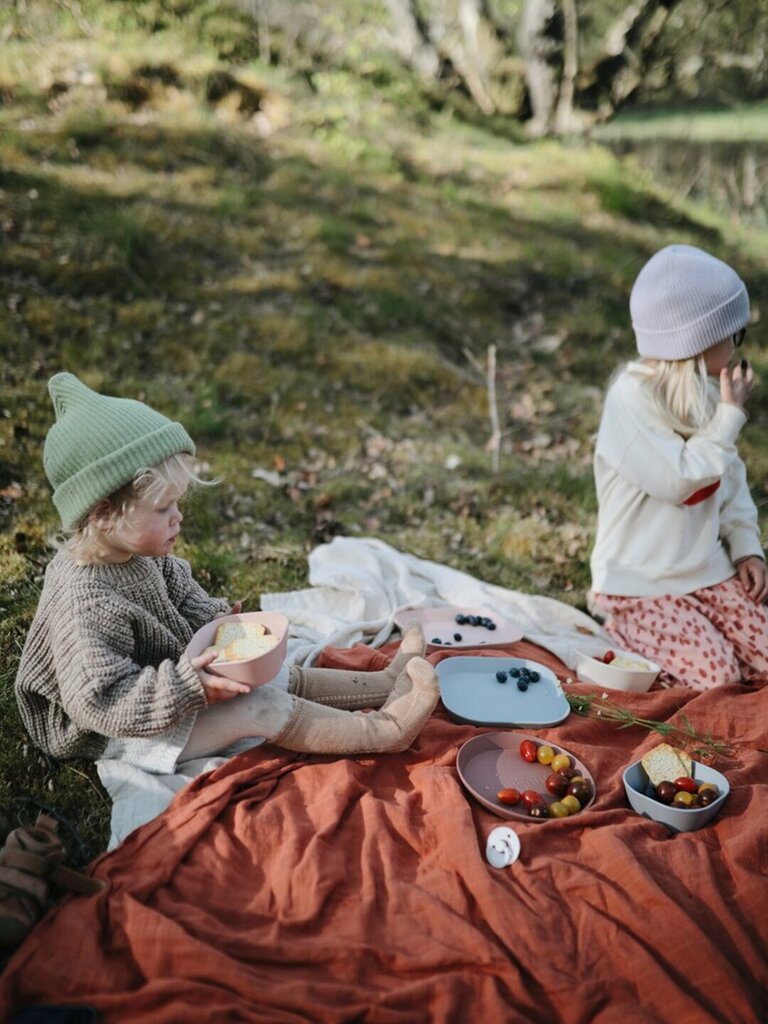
[702,494]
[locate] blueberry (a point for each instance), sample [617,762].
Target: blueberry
[491,625]
[514,672]
[435,640]
[501,676]
[461,619]
[457,636]
[534,677]
[522,685]
[473,620]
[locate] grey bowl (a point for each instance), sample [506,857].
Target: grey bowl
[679,819]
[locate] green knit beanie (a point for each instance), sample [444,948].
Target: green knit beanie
[98,444]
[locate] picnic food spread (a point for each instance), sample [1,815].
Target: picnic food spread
[241,641]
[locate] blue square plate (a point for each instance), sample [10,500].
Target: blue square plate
[471,692]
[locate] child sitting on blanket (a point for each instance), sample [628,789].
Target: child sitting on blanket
[103,673]
[678,566]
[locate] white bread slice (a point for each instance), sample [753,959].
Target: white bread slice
[235,630]
[246,647]
[665,763]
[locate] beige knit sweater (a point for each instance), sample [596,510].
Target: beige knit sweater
[104,655]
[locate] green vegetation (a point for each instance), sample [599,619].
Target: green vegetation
[309,277]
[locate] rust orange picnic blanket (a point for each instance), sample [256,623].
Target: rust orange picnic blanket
[285,888]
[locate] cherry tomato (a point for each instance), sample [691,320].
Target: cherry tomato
[528,750]
[556,783]
[508,796]
[558,810]
[608,657]
[560,761]
[538,811]
[706,797]
[709,785]
[571,803]
[665,792]
[687,784]
[545,754]
[531,798]
[682,798]
[581,790]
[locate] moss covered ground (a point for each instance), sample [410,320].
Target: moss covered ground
[310,274]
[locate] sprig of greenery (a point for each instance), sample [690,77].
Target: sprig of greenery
[705,746]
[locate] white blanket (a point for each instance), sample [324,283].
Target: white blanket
[356,587]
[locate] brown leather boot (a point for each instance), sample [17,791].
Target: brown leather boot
[30,860]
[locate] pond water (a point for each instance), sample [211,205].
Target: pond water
[732,176]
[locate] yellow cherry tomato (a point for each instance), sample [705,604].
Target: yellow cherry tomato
[560,761]
[683,799]
[545,754]
[558,810]
[571,803]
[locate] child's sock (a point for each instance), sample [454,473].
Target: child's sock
[339,688]
[316,729]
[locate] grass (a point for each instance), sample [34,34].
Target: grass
[311,286]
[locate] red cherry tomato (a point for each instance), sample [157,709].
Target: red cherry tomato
[508,796]
[686,784]
[556,783]
[531,798]
[608,657]
[528,750]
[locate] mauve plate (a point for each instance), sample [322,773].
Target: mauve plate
[492,762]
[471,693]
[440,627]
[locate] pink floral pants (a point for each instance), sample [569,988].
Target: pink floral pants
[711,637]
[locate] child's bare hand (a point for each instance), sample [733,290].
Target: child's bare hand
[753,574]
[236,608]
[216,688]
[736,384]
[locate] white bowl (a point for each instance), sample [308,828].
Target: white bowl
[634,680]
[679,819]
[253,671]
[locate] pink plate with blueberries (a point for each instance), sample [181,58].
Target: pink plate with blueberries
[451,627]
[492,762]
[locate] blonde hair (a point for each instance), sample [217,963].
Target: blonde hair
[681,390]
[86,543]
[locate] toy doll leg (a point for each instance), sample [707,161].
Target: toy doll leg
[677,634]
[338,688]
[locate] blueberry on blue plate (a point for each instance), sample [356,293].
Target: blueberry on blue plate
[533,676]
[514,672]
[501,676]
[522,685]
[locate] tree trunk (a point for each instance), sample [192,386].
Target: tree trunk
[541,45]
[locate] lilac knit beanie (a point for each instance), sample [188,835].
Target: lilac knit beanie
[684,301]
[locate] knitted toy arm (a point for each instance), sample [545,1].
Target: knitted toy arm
[193,603]
[105,691]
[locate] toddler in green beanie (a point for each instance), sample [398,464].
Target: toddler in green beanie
[104,672]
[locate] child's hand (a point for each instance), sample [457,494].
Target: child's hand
[216,688]
[236,608]
[753,574]
[736,384]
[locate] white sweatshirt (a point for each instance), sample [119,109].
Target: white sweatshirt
[674,513]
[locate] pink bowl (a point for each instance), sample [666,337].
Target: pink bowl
[255,671]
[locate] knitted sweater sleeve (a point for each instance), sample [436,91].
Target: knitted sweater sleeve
[738,517]
[654,458]
[102,687]
[192,602]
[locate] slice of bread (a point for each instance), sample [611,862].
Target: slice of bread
[236,630]
[665,763]
[241,641]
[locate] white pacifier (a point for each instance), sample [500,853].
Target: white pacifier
[503,847]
